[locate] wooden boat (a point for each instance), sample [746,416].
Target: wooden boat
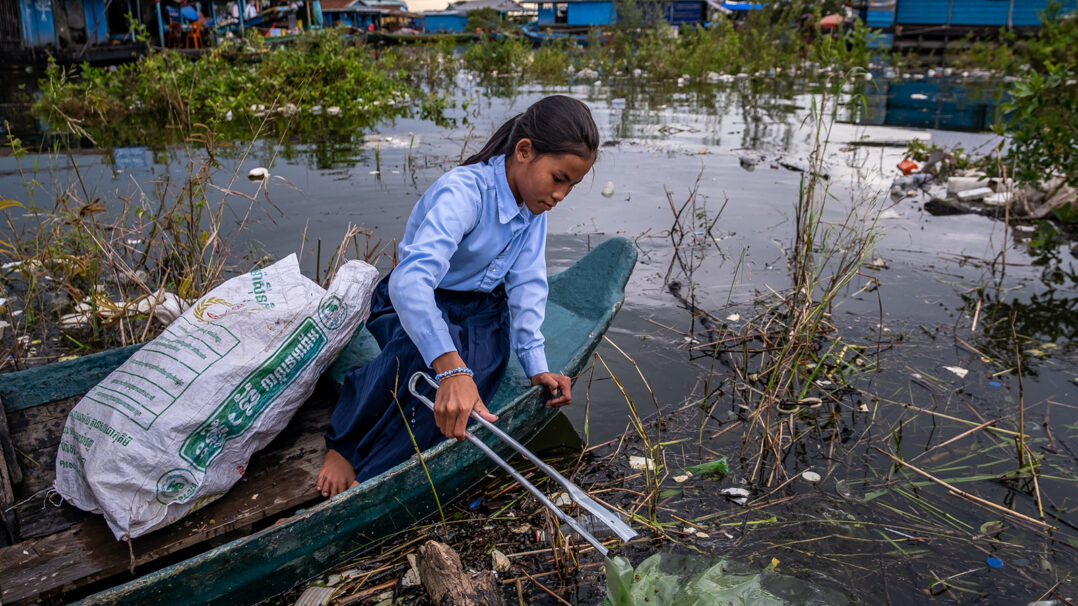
[384,37]
[579,36]
[230,552]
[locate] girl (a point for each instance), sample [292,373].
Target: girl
[471,282]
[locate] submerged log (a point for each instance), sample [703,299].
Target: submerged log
[444,579]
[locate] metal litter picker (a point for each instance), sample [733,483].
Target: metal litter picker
[576,494]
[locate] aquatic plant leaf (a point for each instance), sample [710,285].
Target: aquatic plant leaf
[10,203]
[649,585]
[619,579]
[715,470]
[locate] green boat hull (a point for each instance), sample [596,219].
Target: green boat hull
[582,303]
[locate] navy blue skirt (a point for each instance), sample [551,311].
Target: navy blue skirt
[367,427]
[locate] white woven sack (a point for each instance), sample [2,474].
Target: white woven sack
[172,429]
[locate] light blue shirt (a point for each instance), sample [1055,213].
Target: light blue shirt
[468,234]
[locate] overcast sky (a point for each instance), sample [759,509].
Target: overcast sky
[419,6]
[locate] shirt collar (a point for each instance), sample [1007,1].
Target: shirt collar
[507,202]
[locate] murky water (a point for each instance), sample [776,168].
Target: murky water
[864,530]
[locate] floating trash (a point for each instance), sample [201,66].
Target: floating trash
[907,166]
[843,489]
[258,173]
[970,195]
[994,562]
[811,476]
[995,383]
[316,596]
[169,307]
[958,371]
[641,463]
[561,499]
[715,470]
[737,495]
[333,110]
[608,189]
[733,317]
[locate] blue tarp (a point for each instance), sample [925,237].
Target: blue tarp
[743,6]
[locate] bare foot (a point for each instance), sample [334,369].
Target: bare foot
[336,475]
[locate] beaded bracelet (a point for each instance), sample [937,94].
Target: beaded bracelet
[453,371]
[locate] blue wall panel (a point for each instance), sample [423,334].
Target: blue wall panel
[38,28]
[922,11]
[881,13]
[591,13]
[446,23]
[546,14]
[97,31]
[684,11]
[1028,12]
[990,13]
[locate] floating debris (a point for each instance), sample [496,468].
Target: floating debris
[958,371]
[715,470]
[811,476]
[258,173]
[641,463]
[737,495]
[608,189]
[316,596]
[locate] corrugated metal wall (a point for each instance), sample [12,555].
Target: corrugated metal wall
[38,26]
[880,14]
[684,11]
[992,13]
[591,13]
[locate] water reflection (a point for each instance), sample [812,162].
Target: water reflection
[941,103]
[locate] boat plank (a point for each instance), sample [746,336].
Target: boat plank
[59,380]
[87,552]
[36,434]
[8,451]
[7,500]
[280,478]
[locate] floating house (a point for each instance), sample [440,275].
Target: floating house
[350,13]
[934,23]
[69,29]
[454,19]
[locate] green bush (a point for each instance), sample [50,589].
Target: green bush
[550,62]
[167,89]
[489,57]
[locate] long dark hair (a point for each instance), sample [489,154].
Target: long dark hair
[556,125]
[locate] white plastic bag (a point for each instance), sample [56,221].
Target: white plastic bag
[172,428]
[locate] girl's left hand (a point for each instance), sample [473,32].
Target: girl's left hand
[555,383]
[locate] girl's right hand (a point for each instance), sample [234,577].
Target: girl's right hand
[457,397]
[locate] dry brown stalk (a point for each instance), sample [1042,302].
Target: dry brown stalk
[969,497]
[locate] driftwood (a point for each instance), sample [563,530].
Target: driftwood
[444,579]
